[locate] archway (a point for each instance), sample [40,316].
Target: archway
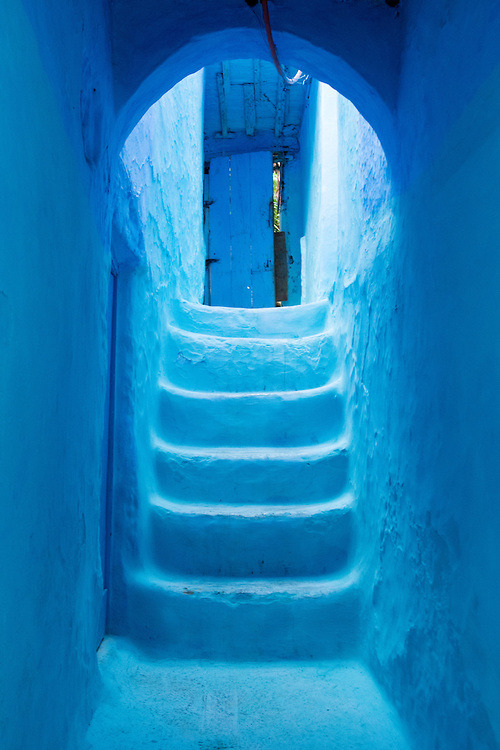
[296,52]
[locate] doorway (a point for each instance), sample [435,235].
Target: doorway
[239,203]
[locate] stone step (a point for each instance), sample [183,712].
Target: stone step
[252,541]
[279,418]
[252,475]
[248,619]
[214,363]
[275,322]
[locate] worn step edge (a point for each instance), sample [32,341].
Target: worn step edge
[336,385]
[262,589]
[196,317]
[273,545]
[253,341]
[246,620]
[344,503]
[252,453]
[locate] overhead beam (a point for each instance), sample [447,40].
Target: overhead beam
[250,111]
[240,143]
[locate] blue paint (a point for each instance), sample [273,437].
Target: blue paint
[240,230]
[251,89]
[249,548]
[54,271]
[163,163]
[319,154]
[106,528]
[416,309]
[190,703]
[345,51]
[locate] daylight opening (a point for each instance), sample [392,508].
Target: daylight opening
[266,177]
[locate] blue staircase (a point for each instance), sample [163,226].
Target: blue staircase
[252,528]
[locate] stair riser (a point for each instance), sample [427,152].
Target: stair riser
[234,365]
[241,629]
[273,546]
[223,321]
[260,481]
[250,420]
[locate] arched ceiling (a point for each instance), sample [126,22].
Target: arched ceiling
[354,45]
[366,34]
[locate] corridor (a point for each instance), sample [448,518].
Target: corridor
[276,526]
[249,602]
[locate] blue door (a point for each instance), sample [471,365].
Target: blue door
[240,238]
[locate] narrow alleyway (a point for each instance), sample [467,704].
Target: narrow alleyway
[267,528]
[251,562]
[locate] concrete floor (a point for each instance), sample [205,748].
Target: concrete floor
[250,706]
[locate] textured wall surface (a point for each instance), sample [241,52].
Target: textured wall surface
[164,160]
[441,513]
[418,271]
[319,148]
[163,191]
[415,284]
[53,271]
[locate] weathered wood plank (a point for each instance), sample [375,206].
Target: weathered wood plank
[250,114]
[240,143]
[219,271]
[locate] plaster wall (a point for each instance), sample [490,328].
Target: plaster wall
[53,297]
[437,582]
[415,283]
[417,297]
[319,141]
[158,231]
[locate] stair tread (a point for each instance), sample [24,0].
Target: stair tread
[262,322]
[258,587]
[252,453]
[287,310]
[250,341]
[335,385]
[205,361]
[344,503]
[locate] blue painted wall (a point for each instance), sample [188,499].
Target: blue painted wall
[415,284]
[319,143]
[54,270]
[163,158]
[442,477]
[159,237]
[310,210]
